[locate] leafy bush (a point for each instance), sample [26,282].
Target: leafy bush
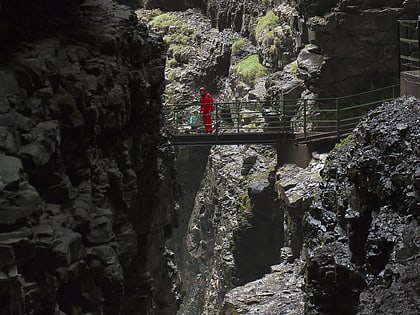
[250,69]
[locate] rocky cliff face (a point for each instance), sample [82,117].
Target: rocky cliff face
[361,235]
[83,163]
[171,5]
[234,233]
[357,44]
[356,41]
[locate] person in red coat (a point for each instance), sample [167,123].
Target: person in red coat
[206,107]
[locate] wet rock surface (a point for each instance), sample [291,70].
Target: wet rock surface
[279,292]
[361,236]
[357,41]
[223,217]
[297,187]
[198,55]
[83,162]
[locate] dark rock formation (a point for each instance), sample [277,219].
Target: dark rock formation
[199,56]
[237,15]
[361,236]
[278,292]
[258,241]
[86,178]
[172,5]
[357,41]
[229,239]
[134,4]
[296,188]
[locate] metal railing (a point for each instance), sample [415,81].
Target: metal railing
[305,119]
[408,45]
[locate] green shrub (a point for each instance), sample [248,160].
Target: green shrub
[250,69]
[266,25]
[237,46]
[168,96]
[171,76]
[177,31]
[183,53]
[171,63]
[156,12]
[291,67]
[244,204]
[349,139]
[165,20]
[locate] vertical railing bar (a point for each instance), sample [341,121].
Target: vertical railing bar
[418,38]
[399,48]
[406,36]
[176,122]
[304,119]
[237,114]
[284,113]
[337,107]
[217,118]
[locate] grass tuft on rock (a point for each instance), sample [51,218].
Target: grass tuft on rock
[237,46]
[250,69]
[176,30]
[266,25]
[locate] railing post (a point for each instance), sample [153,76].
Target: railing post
[418,38]
[176,121]
[217,119]
[284,113]
[237,114]
[304,119]
[399,47]
[337,107]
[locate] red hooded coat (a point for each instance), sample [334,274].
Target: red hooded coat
[206,107]
[206,102]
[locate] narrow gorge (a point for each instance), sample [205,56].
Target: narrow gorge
[102,213]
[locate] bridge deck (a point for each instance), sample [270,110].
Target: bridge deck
[274,121]
[229,138]
[252,138]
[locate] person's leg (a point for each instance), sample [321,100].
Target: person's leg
[207,123]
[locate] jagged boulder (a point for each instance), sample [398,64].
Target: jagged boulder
[278,292]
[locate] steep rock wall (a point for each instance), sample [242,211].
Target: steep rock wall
[357,42]
[171,5]
[229,240]
[361,235]
[86,178]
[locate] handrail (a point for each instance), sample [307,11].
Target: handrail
[409,45]
[300,117]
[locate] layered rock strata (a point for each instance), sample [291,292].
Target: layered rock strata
[86,178]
